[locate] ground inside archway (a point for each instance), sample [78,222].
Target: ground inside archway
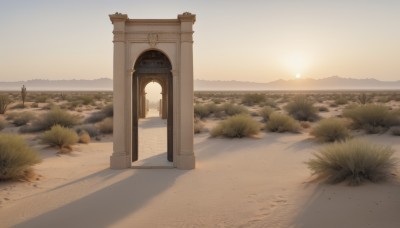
[152,141]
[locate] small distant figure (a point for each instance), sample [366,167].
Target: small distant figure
[23,95]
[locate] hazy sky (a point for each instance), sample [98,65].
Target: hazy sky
[234,40]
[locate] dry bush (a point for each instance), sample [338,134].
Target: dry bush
[106,126]
[371,117]
[34,105]
[4,102]
[237,126]
[331,130]
[22,118]
[322,109]
[88,128]
[55,116]
[201,111]
[279,122]
[353,160]
[253,98]
[84,137]
[302,109]
[265,112]
[107,111]
[198,126]
[16,157]
[60,137]
[232,109]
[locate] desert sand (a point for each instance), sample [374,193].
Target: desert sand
[249,182]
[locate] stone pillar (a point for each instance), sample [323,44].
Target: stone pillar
[164,105]
[186,154]
[119,159]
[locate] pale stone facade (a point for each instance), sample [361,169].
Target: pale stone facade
[170,43]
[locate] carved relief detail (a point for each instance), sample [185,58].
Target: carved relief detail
[153,39]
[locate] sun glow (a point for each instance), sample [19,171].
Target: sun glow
[298,75]
[296,62]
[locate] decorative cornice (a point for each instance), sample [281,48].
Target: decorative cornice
[118,17]
[187,17]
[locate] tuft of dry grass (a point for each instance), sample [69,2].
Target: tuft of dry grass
[84,137]
[237,126]
[16,158]
[106,126]
[60,137]
[353,160]
[331,130]
[302,109]
[265,112]
[279,122]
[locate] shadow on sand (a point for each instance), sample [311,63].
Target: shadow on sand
[110,204]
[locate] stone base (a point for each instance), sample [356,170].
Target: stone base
[119,161]
[186,162]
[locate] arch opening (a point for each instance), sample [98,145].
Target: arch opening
[152,68]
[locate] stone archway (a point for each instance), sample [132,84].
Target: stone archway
[152,65]
[133,39]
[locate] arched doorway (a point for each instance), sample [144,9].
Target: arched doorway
[151,66]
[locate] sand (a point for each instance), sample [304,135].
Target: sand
[251,182]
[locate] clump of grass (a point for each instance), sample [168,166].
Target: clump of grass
[331,130]
[55,116]
[201,111]
[302,109]
[106,111]
[88,128]
[198,126]
[60,137]
[279,122]
[253,98]
[364,99]
[237,126]
[371,117]
[353,160]
[232,109]
[4,102]
[106,126]
[265,112]
[22,118]
[84,137]
[341,100]
[16,158]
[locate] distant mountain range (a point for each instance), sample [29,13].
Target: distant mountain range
[330,83]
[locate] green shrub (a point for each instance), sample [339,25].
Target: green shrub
[265,112]
[106,125]
[279,122]
[4,102]
[232,109]
[237,126]
[371,117]
[253,98]
[60,137]
[22,118]
[201,111]
[16,158]
[353,160]
[302,109]
[55,116]
[331,130]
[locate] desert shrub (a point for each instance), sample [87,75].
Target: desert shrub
[106,125]
[59,136]
[302,109]
[108,110]
[4,102]
[341,100]
[217,100]
[322,109]
[265,112]
[22,118]
[352,160]
[279,122]
[232,109]
[371,117]
[396,131]
[3,123]
[16,157]
[88,128]
[237,126]
[84,137]
[49,106]
[34,105]
[86,99]
[364,98]
[55,116]
[253,98]
[331,130]
[201,111]
[41,99]
[198,126]
[305,124]
[269,102]
[212,108]
[18,106]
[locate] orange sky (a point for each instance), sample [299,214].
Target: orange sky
[254,40]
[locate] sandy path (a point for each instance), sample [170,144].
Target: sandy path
[237,183]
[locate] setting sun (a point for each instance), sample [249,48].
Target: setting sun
[298,75]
